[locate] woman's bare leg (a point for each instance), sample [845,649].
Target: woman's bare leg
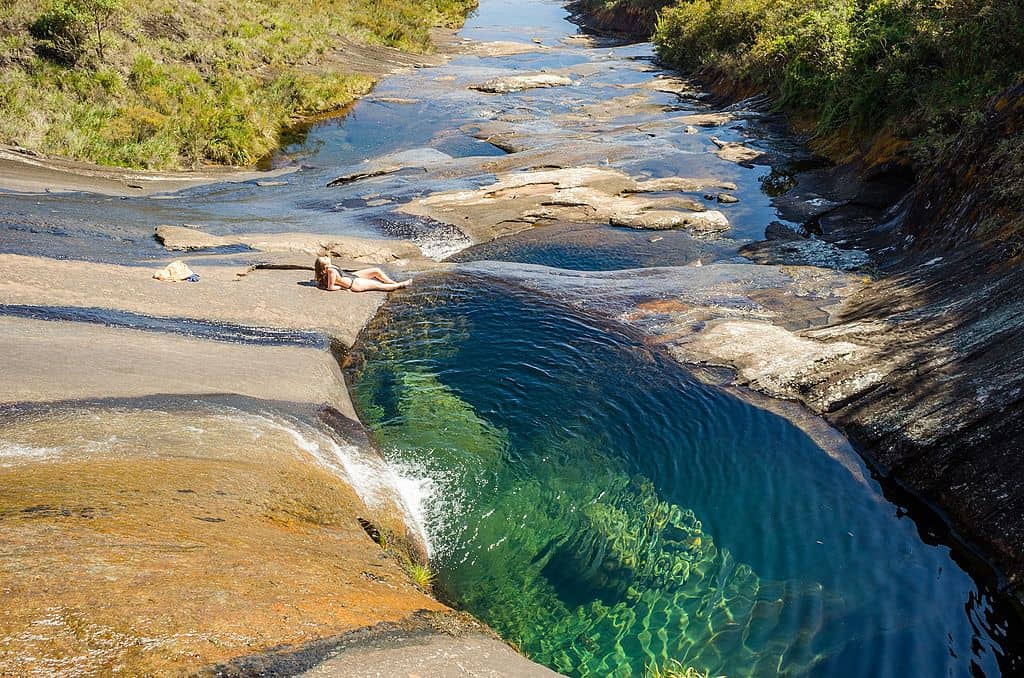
[366,285]
[374,274]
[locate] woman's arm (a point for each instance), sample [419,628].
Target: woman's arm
[334,281]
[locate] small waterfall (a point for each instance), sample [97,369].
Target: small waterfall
[375,480]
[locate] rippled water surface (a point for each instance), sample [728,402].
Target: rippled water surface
[604,511]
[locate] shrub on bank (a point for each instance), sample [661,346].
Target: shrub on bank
[921,66]
[177,84]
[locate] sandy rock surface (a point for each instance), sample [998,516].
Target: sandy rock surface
[429,654]
[210,507]
[285,299]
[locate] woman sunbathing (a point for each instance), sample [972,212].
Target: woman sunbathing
[331,278]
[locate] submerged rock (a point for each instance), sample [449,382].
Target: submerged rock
[416,158]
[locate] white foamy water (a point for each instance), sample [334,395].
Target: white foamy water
[13,454]
[436,500]
[375,480]
[438,246]
[222,432]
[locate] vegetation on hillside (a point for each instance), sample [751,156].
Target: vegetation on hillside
[179,83]
[920,68]
[631,17]
[920,65]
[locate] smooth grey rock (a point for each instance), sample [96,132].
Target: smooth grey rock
[517,83]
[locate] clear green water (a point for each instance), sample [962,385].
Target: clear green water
[603,511]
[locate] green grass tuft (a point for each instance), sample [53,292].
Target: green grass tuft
[421,575]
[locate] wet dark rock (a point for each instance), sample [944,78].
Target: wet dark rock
[779,231]
[805,252]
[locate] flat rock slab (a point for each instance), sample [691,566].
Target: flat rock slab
[517,200]
[365,250]
[265,298]
[517,83]
[49,361]
[661,220]
[433,655]
[736,152]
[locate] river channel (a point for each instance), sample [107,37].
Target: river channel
[580,491]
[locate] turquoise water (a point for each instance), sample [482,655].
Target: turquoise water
[604,512]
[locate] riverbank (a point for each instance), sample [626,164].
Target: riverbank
[184,488]
[27,171]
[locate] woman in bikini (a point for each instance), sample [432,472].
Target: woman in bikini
[331,278]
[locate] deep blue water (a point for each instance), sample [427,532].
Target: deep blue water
[603,510]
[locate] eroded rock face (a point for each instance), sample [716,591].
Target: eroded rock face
[517,200]
[148,546]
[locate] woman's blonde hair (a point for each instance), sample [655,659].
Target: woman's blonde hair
[320,267]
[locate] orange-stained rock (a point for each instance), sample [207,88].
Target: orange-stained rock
[172,563]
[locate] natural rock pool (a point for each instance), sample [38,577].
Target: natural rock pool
[604,511]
